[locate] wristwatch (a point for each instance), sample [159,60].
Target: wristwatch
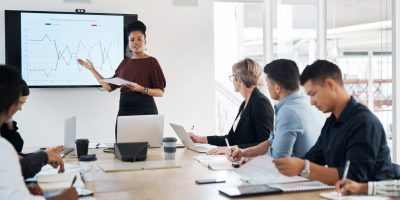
[306,171]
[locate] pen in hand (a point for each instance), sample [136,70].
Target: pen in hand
[346,170]
[229,147]
[73,181]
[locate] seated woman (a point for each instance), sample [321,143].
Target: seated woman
[255,118]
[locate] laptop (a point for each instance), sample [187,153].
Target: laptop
[141,128]
[187,141]
[69,136]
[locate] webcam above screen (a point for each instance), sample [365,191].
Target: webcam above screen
[44,46]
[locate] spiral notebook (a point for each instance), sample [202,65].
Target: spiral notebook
[274,188]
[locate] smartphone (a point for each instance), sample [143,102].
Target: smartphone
[209,180]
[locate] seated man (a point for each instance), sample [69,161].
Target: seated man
[351,133]
[297,124]
[32,163]
[12,184]
[255,118]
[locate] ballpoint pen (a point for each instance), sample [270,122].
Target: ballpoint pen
[346,170]
[73,181]
[229,147]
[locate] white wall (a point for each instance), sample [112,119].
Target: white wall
[180,37]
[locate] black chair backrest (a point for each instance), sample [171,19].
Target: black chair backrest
[396,170]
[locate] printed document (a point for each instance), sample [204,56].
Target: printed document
[261,170]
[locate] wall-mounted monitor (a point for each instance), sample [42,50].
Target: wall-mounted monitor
[44,46]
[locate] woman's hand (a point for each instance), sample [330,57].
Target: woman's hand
[218,151]
[198,139]
[87,64]
[134,87]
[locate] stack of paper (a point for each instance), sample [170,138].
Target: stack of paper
[214,162]
[261,170]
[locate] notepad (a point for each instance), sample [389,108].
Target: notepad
[146,165]
[214,162]
[335,196]
[302,186]
[52,182]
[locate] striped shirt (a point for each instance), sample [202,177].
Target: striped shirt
[384,188]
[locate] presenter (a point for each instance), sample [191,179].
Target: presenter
[143,71]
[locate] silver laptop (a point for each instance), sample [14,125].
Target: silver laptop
[69,136]
[187,141]
[141,128]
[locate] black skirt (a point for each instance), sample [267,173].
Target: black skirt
[134,103]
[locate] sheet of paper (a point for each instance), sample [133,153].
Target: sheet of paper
[115,81]
[215,162]
[335,196]
[261,170]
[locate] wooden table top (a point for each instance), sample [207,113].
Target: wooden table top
[176,183]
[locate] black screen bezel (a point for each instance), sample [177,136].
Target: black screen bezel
[13,38]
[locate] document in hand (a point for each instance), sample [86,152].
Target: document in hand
[261,170]
[214,162]
[335,196]
[115,81]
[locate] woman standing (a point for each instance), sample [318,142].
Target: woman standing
[143,71]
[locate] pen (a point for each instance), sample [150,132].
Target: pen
[191,129]
[73,181]
[97,145]
[346,170]
[229,147]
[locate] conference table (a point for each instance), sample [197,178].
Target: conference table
[173,183]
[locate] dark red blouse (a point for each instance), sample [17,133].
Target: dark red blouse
[146,72]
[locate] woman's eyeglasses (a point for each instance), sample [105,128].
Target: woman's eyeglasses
[232,77]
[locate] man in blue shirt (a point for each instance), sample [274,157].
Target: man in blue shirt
[297,124]
[351,133]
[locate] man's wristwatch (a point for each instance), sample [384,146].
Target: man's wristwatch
[306,171]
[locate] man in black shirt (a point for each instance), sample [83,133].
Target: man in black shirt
[351,133]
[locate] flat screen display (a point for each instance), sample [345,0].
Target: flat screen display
[45,46]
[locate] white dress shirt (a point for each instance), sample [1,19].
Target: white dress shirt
[12,185]
[384,188]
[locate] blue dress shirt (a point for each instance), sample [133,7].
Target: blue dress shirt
[297,127]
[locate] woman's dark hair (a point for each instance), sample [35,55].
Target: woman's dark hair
[24,88]
[284,72]
[136,26]
[10,87]
[321,70]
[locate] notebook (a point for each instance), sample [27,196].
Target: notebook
[335,196]
[274,188]
[214,162]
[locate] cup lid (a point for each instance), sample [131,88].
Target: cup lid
[86,158]
[169,139]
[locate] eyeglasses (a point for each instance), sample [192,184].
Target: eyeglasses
[232,77]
